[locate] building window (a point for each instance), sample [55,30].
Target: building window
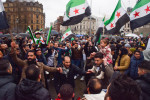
[37,21]
[37,27]
[31,21]
[37,16]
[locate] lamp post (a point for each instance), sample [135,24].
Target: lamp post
[17,21]
[90,17]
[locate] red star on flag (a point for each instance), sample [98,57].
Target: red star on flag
[76,11]
[63,37]
[147,9]
[136,14]
[112,25]
[83,8]
[118,14]
[66,34]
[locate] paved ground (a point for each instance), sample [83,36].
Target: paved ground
[79,89]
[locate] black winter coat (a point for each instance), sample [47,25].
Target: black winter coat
[61,79]
[7,88]
[31,90]
[144,82]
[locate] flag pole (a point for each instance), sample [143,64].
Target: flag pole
[104,26]
[90,17]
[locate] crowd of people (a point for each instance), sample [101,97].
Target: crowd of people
[112,70]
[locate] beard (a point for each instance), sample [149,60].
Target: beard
[31,61]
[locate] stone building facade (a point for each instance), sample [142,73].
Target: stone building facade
[23,13]
[83,27]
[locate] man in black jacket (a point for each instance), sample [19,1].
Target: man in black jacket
[144,80]
[67,77]
[31,88]
[7,87]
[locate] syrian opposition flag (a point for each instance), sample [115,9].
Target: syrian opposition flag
[3,19]
[100,31]
[140,14]
[48,36]
[30,32]
[66,34]
[76,10]
[117,20]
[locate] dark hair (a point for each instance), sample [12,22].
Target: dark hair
[137,51]
[112,47]
[32,52]
[4,65]
[141,47]
[32,72]
[93,85]
[99,55]
[25,45]
[105,41]
[66,91]
[123,88]
[144,65]
[124,51]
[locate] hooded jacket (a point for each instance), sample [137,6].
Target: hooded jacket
[144,83]
[99,96]
[133,69]
[7,88]
[31,90]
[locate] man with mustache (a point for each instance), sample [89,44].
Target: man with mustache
[31,59]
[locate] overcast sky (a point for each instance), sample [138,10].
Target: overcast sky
[55,8]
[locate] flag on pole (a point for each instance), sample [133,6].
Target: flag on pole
[117,20]
[31,35]
[140,14]
[76,10]
[66,34]
[48,36]
[3,19]
[100,31]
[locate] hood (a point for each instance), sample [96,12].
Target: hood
[5,79]
[27,88]
[146,54]
[99,96]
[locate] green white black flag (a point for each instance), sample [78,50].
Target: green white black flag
[117,20]
[66,34]
[76,10]
[140,14]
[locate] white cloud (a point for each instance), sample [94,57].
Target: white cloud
[55,8]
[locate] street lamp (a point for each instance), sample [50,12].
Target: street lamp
[17,21]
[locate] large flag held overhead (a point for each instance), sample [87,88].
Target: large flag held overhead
[76,10]
[3,19]
[100,31]
[140,14]
[66,34]
[117,20]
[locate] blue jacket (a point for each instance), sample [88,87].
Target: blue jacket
[60,52]
[133,69]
